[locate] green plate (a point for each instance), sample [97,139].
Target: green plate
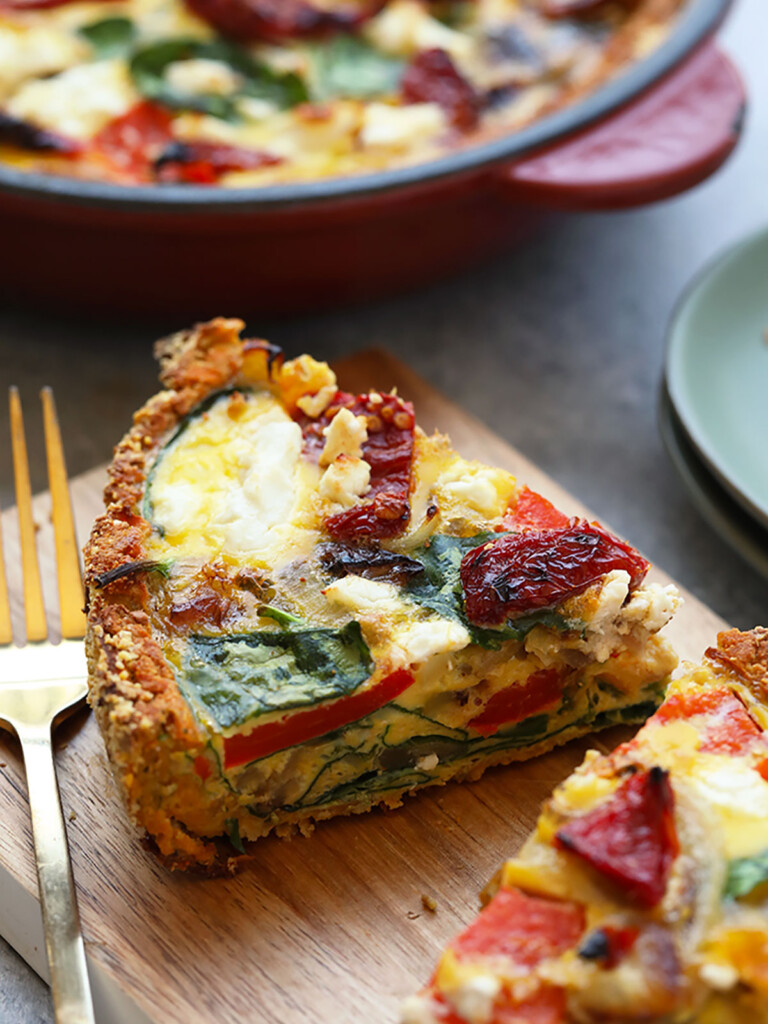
[717,370]
[726,516]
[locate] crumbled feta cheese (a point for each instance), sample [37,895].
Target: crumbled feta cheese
[427,764]
[200,75]
[610,620]
[35,51]
[421,640]
[385,125]
[255,109]
[358,594]
[345,435]
[652,606]
[345,480]
[416,1010]
[78,102]
[475,997]
[405,27]
[314,405]
[719,976]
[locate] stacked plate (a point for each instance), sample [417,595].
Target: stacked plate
[714,403]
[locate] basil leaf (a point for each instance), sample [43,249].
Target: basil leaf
[237,678]
[109,37]
[745,874]
[148,66]
[349,67]
[439,588]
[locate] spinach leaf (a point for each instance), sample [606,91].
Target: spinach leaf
[745,874]
[237,678]
[439,588]
[148,66]
[233,831]
[109,37]
[349,67]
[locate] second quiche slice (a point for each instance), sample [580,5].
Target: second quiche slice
[301,606]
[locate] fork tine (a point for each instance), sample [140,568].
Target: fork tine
[34,609]
[6,629]
[71,596]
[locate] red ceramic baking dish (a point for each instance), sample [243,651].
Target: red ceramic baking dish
[659,128]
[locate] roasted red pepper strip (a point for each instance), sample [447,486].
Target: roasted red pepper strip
[532,511]
[725,726]
[385,510]
[432,77]
[276,20]
[546,1006]
[527,571]
[541,690]
[631,839]
[526,929]
[203,163]
[307,725]
[132,143]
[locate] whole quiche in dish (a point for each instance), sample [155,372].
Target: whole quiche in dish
[253,92]
[300,606]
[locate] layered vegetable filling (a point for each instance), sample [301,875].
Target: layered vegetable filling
[352,610]
[644,887]
[253,92]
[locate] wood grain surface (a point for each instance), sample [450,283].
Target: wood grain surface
[325,929]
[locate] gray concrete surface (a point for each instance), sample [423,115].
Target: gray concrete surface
[558,346]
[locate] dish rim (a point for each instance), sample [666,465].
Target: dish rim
[706,452]
[695,25]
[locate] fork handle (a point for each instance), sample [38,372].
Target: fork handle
[70,986]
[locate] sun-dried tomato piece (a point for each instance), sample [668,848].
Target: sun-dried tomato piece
[532,511]
[385,509]
[276,20]
[543,689]
[132,142]
[203,163]
[723,722]
[523,572]
[580,8]
[631,839]
[432,77]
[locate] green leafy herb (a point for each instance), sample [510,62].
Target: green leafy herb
[281,617]
[148,66]
[233,831]
[745,874]
[238,678]
[439,588]
[349,67]
[109,37]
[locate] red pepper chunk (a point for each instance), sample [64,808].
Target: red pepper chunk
[385,509]
[525,929]
[541,690]
[276,20]
[532,511]
[133,142]
[525,572]
[307,725]
[725,726]
[546,1006]
[432,77]
[631,839]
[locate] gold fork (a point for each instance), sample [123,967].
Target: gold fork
[40,683]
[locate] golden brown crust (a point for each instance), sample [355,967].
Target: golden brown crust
[744,654]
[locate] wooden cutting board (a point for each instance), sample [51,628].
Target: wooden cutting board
[325,929]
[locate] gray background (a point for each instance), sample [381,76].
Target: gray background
[558,346]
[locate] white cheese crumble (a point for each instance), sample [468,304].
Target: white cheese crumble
[201,75]
[475,997]
[385,125]
[78,102]
[405,27]
[345,480]
[363,596]
[35,51]
[648,609]
[719,976]
[421,640]
[416,1010]
[345,435]
[314,405]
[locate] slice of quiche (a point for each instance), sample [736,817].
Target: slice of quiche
[302,606]
[642,895]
